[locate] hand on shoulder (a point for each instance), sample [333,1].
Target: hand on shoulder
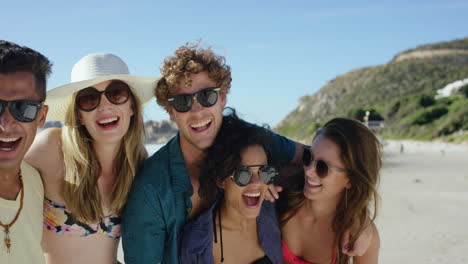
[369,254]
[45,154]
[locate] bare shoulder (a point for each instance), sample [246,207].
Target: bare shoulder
[372,254]
[46,151]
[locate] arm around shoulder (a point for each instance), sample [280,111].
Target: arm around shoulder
[286,151]
[372,254]
[45,154]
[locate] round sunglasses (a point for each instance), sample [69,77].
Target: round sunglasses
[243,175]
[88,99]
[321,167]
[206,97]
[22,110]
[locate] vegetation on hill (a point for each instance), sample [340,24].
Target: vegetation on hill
[400,92]
[460,44]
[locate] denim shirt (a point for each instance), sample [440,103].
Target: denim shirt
[196,244]
[159,203]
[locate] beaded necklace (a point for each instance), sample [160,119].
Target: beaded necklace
[7,227]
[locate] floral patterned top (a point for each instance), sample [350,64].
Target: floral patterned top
[57,219]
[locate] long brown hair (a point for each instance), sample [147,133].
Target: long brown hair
[82,169]
[361,156]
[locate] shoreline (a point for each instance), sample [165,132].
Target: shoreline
[424,146]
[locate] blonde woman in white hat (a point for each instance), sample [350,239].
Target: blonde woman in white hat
[88,165]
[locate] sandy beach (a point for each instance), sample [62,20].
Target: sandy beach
[423,215]
[424,206]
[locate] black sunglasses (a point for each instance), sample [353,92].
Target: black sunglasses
[321,167]
[88,99]
[206,97]
[22,110]
[243,175]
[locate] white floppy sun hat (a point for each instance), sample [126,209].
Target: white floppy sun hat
[93,69]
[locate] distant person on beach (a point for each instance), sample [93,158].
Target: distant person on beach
[402,148]
[23,74]
[88,165]
[340,187]
[240,226]
[165,195]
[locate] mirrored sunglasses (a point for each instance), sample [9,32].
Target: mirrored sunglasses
[242,176]
[321,166]
[206,97]
[88,99]
[22,110]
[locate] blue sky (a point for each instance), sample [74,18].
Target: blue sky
[278,50]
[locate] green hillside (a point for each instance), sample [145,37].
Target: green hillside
[456,44]
[401,92]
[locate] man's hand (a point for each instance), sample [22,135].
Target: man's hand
[361,244]
[272,193]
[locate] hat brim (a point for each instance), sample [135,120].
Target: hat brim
[59,98]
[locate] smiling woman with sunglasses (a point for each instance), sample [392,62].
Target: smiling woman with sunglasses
[338,194]
[239,227]
[88,166]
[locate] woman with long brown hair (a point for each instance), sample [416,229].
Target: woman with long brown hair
[338,193]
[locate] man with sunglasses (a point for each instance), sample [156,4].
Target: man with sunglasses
[23,74]
[193,90]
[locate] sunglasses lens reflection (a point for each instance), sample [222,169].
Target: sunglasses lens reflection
[118,92]
[22,110]
[268,174]
[88,99]
[242,177]
[322,169]
[182,102]
[206,97]
[321,166]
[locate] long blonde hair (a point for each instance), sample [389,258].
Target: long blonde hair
[82,169]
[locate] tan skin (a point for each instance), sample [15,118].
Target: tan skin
[314,218]
[239,221]
[95,248]
[194,143]
[16,86]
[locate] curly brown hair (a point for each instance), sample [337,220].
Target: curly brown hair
[191,59]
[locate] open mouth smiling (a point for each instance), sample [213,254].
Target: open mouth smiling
[251,199]
[201,126]
[8,144]
[108,122]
